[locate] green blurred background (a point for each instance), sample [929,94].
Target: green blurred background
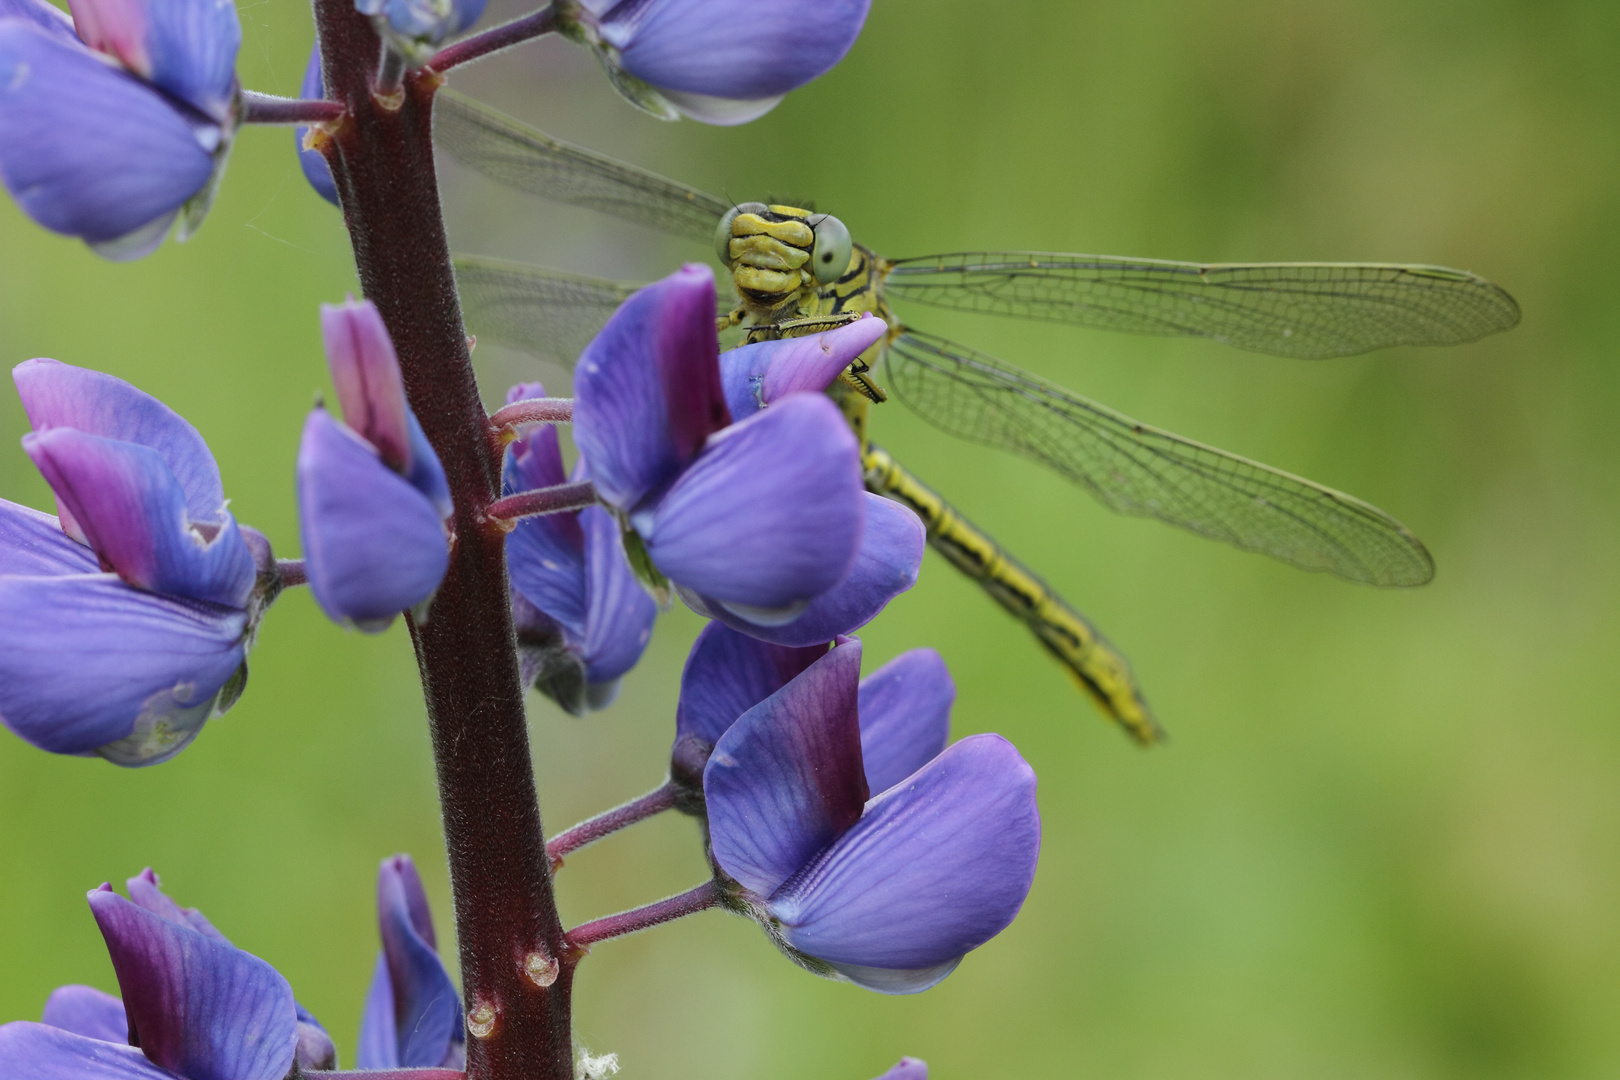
[1385,839]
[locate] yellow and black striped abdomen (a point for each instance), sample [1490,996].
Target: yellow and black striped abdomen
[1100,670]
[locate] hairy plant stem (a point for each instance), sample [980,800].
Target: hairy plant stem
[609,822]
[495,39]
[260,108]
[702,898]
[547,500]
[381,155]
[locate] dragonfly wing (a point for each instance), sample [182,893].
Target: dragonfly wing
[511,152]
[1306,310]
[1141,470]
[546,313]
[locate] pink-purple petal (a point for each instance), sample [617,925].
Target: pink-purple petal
[905,716]
[937,865]
[907,1068]
[757,375]
[146,891]
[785,780]
[132,512]
[741,49]
[203,1009]
[41,1052]
[87,150]
[33,544]
[118,28]
[85,659]
[86,1011]
[770,515]
[55,394]
[890,555]
[187,47]
[374,545]
[647,388]
[727,673]
[366,375]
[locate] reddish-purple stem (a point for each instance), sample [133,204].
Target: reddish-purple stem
[493,40]
[702,898]
[381,154]
[609,822]
[552,410]
[547,500]
[292,572]
[388,1074]
[260,108]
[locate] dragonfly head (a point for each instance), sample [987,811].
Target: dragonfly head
[775,252]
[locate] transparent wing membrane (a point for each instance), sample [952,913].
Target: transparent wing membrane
[1140,470]
[546,313]
[1306,310]
[513,153]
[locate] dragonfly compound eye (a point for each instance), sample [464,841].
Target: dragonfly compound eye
[830,258]
[722,231]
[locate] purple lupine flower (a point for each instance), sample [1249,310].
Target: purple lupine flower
[890,891]
[412,1017]
[124,624]
[582,618]
[759,517]
[372,497]
[904,707]
[114,152]
[416,27]
[718,61]
[907,1068]
[754,376]
[193,1005]
[313,162]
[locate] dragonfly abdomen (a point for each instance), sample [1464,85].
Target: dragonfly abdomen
[1096,666]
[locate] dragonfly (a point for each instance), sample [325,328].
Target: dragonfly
[795,271]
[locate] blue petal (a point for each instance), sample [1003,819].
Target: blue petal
[905,716]
[203,1009]
[86,1011]
[83,658]
[60,395]
[132,513]
[41,1052]
[425,22]
[87,150]
[770,514]
[426,473]
[379,1039]
[729,673]
[146,891]
[313,162]
[756,375]
[785,781]
[546,554]
[427,1012]
[937,865]
[733,48]
[193,46]
[33,544]
[647,388]
[891,553]
[619,613]
[373,544]
[48,17]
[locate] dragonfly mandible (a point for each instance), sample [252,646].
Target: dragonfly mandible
[797,272]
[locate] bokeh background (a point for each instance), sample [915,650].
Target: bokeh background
[1385,839]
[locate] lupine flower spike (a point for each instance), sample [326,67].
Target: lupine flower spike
[112,132]
[758,518]
[723,62]
[889,892]
[125,623]
[582,618]
[372,497]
